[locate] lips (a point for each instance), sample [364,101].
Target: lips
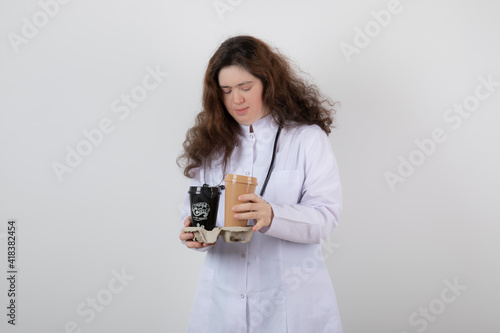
[241,110]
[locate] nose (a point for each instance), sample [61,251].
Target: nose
[237,97]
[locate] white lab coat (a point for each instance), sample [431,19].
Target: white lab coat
[278,282]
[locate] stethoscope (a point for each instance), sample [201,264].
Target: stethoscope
[269,172]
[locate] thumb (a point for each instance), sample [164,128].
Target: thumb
[257,226]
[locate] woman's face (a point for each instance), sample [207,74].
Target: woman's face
[242,95]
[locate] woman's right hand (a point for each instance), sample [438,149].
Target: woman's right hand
[187,236]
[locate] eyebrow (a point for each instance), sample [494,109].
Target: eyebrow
[238,85]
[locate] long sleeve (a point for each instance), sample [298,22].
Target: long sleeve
[308,211]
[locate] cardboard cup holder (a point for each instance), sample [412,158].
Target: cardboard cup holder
[228,234]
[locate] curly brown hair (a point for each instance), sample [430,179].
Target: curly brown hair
[293,101]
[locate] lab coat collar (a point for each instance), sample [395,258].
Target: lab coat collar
[262,125]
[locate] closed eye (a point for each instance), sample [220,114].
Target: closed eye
[227,91]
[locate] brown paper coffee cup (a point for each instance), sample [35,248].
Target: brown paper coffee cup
[236,185]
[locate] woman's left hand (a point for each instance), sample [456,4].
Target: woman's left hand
[254,208]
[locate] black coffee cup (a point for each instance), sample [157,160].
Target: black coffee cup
[204,205]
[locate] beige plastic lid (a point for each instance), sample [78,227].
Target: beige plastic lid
[230,178]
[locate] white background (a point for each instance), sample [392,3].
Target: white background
[118,210]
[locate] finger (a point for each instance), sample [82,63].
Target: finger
[249,197]
[251,206]
[198,245]
[184,236]
[244,207]
[193,245]
[258,226]
[247,216]
[253,212]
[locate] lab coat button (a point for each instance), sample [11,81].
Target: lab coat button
[247,173]
[243,255]
[242,296]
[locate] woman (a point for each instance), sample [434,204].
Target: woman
[278,281]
